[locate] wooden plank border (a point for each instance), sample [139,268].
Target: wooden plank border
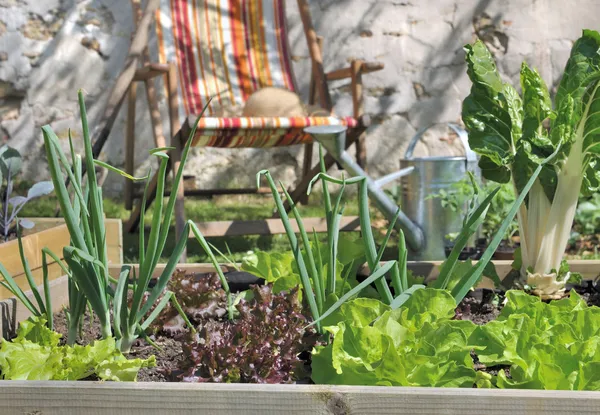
[51,233]
[114,234]
[270,226]
[589,269]
[143,398]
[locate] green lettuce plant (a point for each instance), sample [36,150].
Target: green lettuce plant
[280,269]
[417,344]
[35,354]
[545,345]
[542,345]
[511,135]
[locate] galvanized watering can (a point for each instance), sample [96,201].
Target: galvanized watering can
[427,176]
[424,222]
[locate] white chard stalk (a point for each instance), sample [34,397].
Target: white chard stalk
[508,132]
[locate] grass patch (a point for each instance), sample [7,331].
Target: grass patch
[236,207]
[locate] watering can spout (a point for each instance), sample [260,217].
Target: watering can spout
[333,138]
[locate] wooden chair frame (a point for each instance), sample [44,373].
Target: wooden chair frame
[138,68]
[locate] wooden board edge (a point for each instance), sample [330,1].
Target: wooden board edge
[54,397]
[199,267]
[113,226]
[114,240]
[269,226]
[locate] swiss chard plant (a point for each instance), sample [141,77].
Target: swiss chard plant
[10,166]
[513,134]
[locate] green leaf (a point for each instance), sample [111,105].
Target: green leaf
[160,149]
[123,370]
[392,350]
[272,267]
[359,312]
[486,111]
[119,171]
[26,360]
[34,330]
[10,161]
[427,305]
[359,356]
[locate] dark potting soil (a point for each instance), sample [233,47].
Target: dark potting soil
[169,353]
[90,330]
[480,306]
[11,237]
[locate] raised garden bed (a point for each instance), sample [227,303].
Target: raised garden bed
[348,328]
[180,398]
[53,234]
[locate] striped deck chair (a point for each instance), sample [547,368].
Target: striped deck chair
[226,50]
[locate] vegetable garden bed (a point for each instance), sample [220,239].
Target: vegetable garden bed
[319,319]
[51,397]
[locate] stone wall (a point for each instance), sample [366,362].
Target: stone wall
[51,48]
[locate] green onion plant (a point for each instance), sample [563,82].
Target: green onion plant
[130,298]
[318,285]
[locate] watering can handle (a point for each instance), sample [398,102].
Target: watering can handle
[462,135]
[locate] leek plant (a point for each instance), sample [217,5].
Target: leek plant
[319,281]
[86,257]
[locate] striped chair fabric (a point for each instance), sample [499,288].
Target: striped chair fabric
[227,49]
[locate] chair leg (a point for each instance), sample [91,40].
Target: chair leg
[180,193]
[130,145]
[308,148]
[157,130]
[357,104]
